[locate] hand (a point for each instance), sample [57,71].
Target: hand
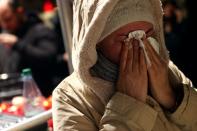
[8,39]
[133,78]
[158,79]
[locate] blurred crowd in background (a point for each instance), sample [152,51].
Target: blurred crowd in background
[37,43]
[180,33]
[31,38]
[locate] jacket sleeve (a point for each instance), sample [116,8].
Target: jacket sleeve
[186,114]
[69,113]
[122,113]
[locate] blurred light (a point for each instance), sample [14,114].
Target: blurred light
[13,109]
[48,6]
[3,76]
[46,103]
[3,107]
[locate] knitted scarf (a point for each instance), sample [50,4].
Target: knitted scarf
[105,69]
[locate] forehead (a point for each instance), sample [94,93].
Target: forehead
[138,25]
[5,10]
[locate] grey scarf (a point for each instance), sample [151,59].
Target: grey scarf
[105,69]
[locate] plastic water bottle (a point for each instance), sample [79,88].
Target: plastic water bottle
[31,93]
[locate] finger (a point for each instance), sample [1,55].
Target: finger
[123,57]
[143,66]
[129,56]
[153,56]
[135,62]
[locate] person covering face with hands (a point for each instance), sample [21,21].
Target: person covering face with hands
[123,79]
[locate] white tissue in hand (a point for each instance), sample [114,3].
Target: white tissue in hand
[139,35]
[154,44]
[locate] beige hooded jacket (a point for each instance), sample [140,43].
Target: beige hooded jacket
[85,103]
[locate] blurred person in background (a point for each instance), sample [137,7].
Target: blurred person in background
[175,26]
[189,44]
[180,29]
[172,36]
[27,42]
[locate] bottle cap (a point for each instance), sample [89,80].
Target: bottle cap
[26,72]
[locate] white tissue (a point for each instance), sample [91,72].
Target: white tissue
[138,35]
[154,44]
